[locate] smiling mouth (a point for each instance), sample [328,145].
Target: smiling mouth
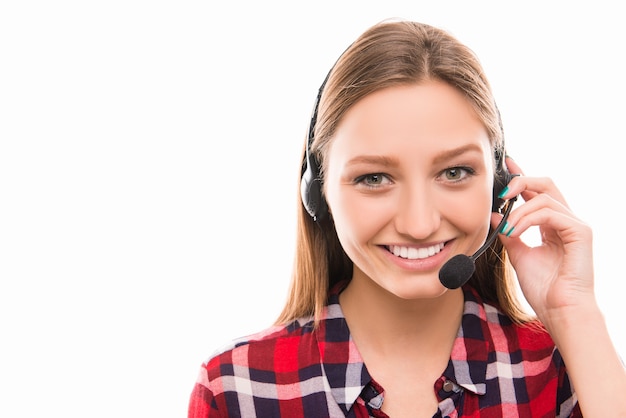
[411,253]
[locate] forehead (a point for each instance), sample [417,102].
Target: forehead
[418,117]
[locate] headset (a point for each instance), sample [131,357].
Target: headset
[311,182]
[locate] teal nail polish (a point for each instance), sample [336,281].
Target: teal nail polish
[508,234]
[503,192]
[504,227]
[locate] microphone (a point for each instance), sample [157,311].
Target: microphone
[458,270]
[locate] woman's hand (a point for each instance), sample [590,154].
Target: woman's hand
[556,276]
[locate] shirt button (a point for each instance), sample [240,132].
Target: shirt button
[448,386]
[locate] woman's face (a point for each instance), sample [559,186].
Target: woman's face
[409,185]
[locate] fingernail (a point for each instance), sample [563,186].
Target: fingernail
[503,192]
[504,231]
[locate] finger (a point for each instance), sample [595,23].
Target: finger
[512,166]
[549,218]
[541,201]
[517,171]
[530,187]
[514,244]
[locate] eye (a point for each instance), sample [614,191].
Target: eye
[456,174]
[372,180]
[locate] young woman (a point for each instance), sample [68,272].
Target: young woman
[403,171]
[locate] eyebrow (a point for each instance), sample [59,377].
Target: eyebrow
[391,161]
[374,159]
[446,155]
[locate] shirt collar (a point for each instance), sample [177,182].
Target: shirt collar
[342,363]
[347,375]
[470,352]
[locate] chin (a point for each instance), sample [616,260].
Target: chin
[419,289]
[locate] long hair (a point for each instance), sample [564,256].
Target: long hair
[390,54]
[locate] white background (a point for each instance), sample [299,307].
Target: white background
[149,153]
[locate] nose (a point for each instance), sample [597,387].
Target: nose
[417,214]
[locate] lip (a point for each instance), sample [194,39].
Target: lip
[427,264]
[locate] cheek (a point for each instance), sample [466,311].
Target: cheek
[471,212]
[356,218]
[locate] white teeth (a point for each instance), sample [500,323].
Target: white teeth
[412,253]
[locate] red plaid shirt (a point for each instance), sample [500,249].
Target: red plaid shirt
[496,369]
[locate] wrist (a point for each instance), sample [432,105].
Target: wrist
[573,321]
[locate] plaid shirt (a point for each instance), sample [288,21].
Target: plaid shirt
[496,369]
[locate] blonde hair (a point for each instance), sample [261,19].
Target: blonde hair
[391,54]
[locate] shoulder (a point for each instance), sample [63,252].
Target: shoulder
[252,366]
[529,335]
[501,330]
[260,351]
[509,360]
[528,351]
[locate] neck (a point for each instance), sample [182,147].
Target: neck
[420,326]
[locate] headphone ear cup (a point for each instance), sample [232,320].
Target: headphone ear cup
[311,194]
[502,177]
[500,181]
